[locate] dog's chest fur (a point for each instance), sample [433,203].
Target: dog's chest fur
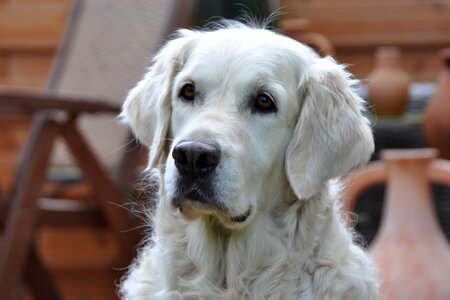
[278,257]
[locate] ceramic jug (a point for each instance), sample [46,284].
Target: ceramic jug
[411,251]
[436,126]
[388,84]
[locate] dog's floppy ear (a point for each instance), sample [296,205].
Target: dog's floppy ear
[147,108]
[331,135]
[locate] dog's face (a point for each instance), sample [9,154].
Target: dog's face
[236,115]
[231,123]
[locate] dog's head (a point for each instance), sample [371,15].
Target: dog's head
[236,115]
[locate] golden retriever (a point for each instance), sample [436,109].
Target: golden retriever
[248,130]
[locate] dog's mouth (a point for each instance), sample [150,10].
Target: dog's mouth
[193,210]
[194,202]
[242,218]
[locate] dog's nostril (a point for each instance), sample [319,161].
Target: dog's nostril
[179,156]
[208,160]
[195,157]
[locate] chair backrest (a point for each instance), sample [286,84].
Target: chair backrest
[105,50]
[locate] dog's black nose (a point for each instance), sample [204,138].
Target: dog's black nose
[195,157]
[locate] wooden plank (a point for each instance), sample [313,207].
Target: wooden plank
[28,69]
[22,83]
[13,133]
[419,40]
[40,279]
[22,102]
[23,215]
[88,284]
[352,26]
[68,214]
[367,24]
[295,5]
[362,16]
[44,44]
[31,64]
[32,27]
[81,248]
[351,19]
[35,20]
[4,65]
[39,2]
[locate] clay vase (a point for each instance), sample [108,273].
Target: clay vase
[411,251]
[388,84]
[436,126]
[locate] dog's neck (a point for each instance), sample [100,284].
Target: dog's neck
[204,250]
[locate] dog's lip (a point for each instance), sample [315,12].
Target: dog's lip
[184,204]
[242,218]
[211,209]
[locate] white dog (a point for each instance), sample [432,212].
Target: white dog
[248,129]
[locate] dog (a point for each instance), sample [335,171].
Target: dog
[248,130]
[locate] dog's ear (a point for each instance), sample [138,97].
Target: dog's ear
[331,135]
[147,108]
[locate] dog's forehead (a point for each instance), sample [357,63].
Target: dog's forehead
[247,54]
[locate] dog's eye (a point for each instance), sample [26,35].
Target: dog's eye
[264,103]
[188,92]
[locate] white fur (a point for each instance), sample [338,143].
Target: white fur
[295,243]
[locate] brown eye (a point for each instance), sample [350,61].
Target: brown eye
[264,103]
[188,92]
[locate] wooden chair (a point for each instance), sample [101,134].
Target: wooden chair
[104,52]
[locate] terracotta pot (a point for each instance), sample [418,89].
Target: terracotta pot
[436,126]
[410,249]
[388,84]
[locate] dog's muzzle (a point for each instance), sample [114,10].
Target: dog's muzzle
[196,162]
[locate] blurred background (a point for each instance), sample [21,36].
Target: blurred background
[57,53]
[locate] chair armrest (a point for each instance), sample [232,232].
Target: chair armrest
[28,103]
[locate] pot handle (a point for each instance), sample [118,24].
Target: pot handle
[356,182]
[439,171]
[376,172]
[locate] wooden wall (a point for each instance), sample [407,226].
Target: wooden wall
[30,32]
[357,27]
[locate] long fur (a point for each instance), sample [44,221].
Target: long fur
[295,243]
